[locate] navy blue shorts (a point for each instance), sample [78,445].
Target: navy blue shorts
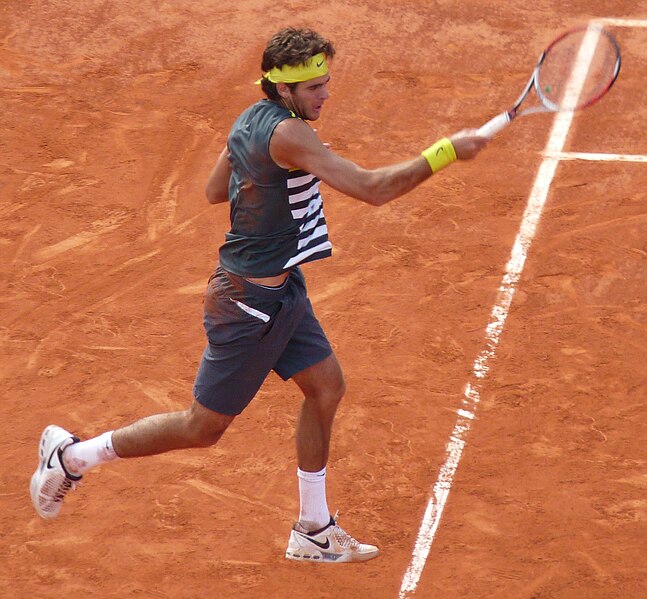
[251,330]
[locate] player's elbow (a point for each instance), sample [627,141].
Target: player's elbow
[215,195]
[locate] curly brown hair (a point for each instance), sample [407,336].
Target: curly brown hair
[291,46]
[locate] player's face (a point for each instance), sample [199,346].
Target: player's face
[308,97]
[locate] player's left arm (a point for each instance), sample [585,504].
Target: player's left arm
[217,187]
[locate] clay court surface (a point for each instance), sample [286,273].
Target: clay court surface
[112,115]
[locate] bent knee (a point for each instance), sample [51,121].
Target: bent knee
[205,426]
[331,394]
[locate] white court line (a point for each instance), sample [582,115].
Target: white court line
[498,316]
[622,22]
[597,157]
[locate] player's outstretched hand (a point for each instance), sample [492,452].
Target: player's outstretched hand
[467,143]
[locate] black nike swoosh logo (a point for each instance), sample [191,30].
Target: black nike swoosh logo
[325,545]
[49,461]
[319,64]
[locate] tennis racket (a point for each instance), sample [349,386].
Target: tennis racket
[575,71]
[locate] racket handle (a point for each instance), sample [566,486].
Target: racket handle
[493,126]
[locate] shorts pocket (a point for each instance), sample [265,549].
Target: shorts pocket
[253,311]
[229,321]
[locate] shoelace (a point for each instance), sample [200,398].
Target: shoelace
[344,539]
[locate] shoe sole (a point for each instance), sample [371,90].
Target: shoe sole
[343,558]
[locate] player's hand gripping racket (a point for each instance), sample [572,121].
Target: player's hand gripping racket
[575,71]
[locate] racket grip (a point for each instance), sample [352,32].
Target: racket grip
[493,126]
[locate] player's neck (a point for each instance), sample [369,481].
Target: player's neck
[291,106]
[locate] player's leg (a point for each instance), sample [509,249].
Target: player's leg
[309,360]
[64,459]
[317,536]
[323,387]
[196,427]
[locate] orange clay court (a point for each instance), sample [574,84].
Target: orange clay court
[112,116]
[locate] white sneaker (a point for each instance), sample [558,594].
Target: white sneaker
[328,544]
[51,481]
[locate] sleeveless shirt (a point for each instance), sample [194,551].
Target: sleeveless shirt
[276,214]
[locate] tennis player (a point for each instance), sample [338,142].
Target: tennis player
[257,314]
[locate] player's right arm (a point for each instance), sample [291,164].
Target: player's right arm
[295,145]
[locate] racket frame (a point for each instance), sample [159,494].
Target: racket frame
[553,106]
[502,120]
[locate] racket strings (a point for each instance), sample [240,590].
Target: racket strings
[577,69]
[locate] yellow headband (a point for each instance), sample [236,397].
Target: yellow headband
[310,69]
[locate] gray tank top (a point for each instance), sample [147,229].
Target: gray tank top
[277,218]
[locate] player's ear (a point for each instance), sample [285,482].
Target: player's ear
[283,90]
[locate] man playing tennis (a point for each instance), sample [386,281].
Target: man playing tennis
[257,314]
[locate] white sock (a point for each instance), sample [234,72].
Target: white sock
[314,512]
[80,457]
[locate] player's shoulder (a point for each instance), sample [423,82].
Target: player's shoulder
[294,129]
[293,142]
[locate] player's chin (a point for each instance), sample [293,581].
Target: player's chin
[315,113]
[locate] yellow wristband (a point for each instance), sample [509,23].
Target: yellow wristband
[440,155]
